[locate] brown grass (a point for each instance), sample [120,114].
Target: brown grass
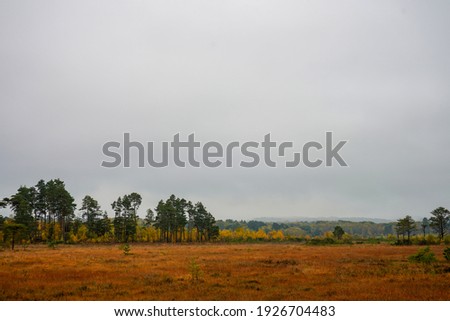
[226,272]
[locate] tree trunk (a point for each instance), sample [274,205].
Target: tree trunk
[12,241]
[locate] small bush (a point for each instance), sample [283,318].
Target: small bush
[321,241]
[447,253]
[422,241]
[402,242]
[126,248]
[53,244]
[431,239]
[25,244]
[195,271]
[423,256]
[447,240]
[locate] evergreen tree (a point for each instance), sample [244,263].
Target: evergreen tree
[91,213]
[125,220]
[405,226]
[22,204]
[439,221]
[425,223]
[60,205]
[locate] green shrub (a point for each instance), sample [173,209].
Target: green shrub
[195,271]
[321,241]
[126,248]
[447,253]
[53,244]
[431,239]
[423,256]
[447,240]
[25,244]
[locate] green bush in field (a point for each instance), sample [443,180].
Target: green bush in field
[195,271]
[53,244]
[447,239]
[423,256]
[447,253]
[126,248]
[431,239]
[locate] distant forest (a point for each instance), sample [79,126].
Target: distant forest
[403,231]
[47,213]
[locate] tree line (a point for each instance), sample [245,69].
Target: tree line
[46,213]
[438,222]
[406,230]
[364,229]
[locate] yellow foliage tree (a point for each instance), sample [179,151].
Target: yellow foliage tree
[260,235]
[82,234]
[225,235]
[276,235]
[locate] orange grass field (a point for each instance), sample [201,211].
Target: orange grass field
[268,271]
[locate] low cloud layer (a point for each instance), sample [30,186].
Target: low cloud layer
[376,73]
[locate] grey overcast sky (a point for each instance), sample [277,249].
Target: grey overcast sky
[76,74]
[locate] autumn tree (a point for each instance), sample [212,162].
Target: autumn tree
[439,221]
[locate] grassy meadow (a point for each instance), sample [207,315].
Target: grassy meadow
[258,271]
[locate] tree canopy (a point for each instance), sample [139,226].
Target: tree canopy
[439,221]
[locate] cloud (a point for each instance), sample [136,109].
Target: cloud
[75,75]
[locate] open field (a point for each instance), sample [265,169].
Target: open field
[225,272]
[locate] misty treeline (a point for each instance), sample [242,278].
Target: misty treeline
[431,230]
[46,213]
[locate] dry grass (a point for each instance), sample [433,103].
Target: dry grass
[226,272]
